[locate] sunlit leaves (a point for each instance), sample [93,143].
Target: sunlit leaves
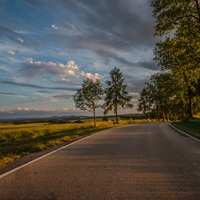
[178,52]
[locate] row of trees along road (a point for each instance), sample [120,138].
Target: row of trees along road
[175,91]
[89,96]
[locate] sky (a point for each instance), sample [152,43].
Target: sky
[48,47]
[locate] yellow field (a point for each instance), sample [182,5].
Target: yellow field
[25,139]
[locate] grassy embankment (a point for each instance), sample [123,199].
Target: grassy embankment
[17,141]
[191,127]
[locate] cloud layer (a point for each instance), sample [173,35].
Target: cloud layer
[47,59]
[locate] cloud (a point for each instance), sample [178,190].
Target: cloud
[63,71]
[54,26]
[108,28]
[63,96]
[91,76]
[33,68]
[20,40]
[94,36]
[7,33]
[34,113]
[7,93]
[11,94]
[151,65]
[36,86]
[121,24]
[11,52]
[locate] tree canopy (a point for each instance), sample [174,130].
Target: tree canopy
[88,97]
[178,52]
[116,94]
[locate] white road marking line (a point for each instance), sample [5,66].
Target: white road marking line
[28,163]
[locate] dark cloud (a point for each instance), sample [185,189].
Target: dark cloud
[37,86]
[107,27]
[44,91]
[63,96]
[151,65]
[135,84]
[122,24]
[6,33]
[7,93]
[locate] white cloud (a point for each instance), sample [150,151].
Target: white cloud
[20,40]
[11,52]
[64,71]
[32,68]
[91,76]
[23,32]
[54,26]
[23,109]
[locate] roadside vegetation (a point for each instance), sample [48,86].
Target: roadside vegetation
[175,92]
[191,127]
[21,140]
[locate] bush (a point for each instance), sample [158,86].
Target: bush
[78,122]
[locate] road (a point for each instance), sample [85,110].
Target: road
[137,162]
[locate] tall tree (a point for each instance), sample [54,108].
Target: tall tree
[89,96]
[178,23]
[175,15]
[116,95]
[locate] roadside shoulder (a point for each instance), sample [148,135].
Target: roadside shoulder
[180,131]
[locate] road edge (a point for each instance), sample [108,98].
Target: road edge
[180,131]
[42,154]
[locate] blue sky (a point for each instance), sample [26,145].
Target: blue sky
[48,47]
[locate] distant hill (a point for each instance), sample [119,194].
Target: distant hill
[41,119]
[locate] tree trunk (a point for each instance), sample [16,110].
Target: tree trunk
[163,114]
[189,106]
[94,114]
[190,115]
[116,112]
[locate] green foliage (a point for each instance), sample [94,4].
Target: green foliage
[116,93]
[191,127]
[165,98]
[176,15]
[88,97]
[178,23]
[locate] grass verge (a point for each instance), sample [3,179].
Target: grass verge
[21,140]
[191,127]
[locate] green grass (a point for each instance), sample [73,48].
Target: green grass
[191,127]
[17,141]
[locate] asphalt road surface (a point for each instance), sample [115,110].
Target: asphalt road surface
[136,162]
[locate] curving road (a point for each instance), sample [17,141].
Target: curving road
[136,162]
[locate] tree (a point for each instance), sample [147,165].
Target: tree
[145,101]
[178,23]
[176,15]
[88,97]
[158,97]
[166,97]
[116,95]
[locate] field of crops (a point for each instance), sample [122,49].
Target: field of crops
[25,139]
